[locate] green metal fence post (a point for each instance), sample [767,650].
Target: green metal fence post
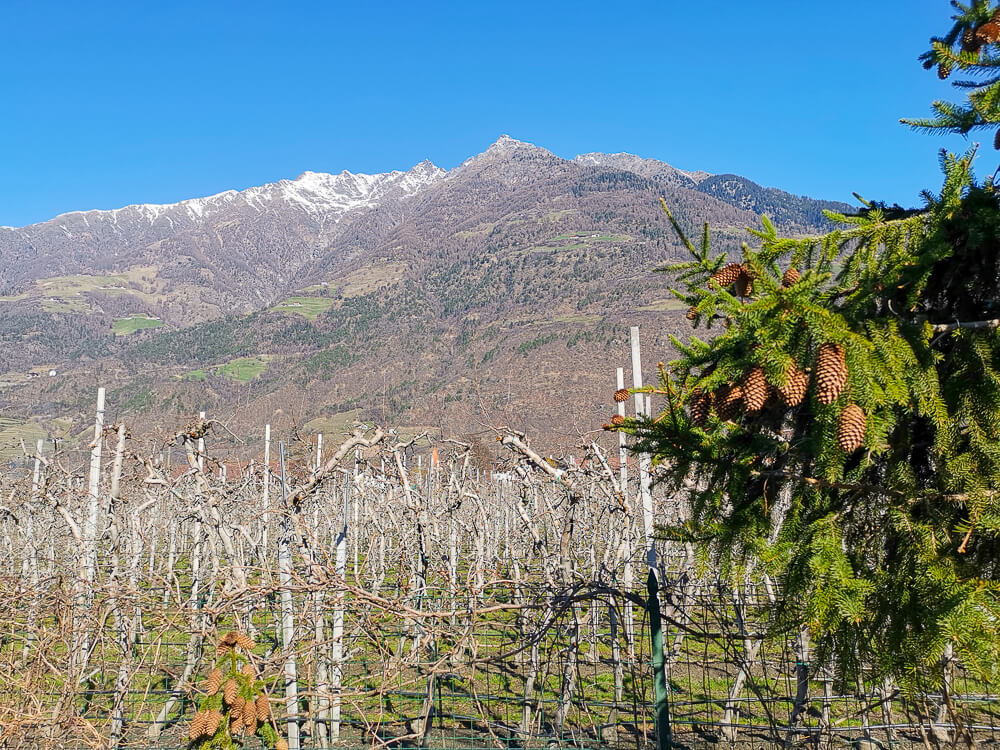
[660,695]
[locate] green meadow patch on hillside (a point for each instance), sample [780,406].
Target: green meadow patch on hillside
[132,323]
[243,369]
[307,307]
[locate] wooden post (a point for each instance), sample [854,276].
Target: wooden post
[81,630]
[287,610]
[36,474]
[645,481]
[201,446]
[337,641]
[267,487]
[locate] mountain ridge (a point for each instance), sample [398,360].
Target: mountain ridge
[425,297]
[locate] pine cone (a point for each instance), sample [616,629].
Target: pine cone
[248,671]
[250,716]
[235,723]
[213,682]
[617,420]
[229,691]
[281,744]
[212,720]
[743,286]
[754,389]
[621,395]
[726,275]
[699,406]
[970,41]
[197,728]
[245,642]
[790,277]
[831,373]
[988,33]
[728,402]
[227,641]
[692,313]
[795,387]
[851,428]
[943,71]
[263,707]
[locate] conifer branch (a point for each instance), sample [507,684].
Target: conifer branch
[973,324]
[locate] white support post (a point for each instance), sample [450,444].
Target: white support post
[285,574]
[37,473]
[267,486]
[645,481]
[622,455]
[201,446]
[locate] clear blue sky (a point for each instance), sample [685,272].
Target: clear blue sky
[106,104]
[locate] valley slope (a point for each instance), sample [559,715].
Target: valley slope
[498,293]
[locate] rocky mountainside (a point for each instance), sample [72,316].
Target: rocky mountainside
[498,291]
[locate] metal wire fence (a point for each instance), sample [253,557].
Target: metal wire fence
[410,609]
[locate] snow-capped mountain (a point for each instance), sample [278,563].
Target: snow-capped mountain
[237,251]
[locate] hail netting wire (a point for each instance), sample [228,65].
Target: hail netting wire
[434,607]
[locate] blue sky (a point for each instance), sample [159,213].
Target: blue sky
[106,104]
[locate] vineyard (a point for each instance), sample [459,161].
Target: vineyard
[398,596]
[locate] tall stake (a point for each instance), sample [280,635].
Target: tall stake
[81,630]
[287,611]
[645,481]
[267,486]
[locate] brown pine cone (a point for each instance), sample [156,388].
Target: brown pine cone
[617,420]
[851,428]
[831,373]
[943,71]
[250,716]
[263,707]
[988,33]
[692,313]
[212,720]
[795,387]
[699,406]
[755,389]
[743,286]
[235,722]
[245,642]
[197,728]
[229,691]
[213,682]
[970,41]
[728,401]
[248,671]
[227,641]
[621,395]
[726,275]
[281,744]
[790,277]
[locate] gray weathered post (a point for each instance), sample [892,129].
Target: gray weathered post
[645,481]
[287,610]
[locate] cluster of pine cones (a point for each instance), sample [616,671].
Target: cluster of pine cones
[740,278]
[244,715]
[975,38]
[753,391]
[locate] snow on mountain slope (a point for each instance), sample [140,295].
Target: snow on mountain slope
[316,193]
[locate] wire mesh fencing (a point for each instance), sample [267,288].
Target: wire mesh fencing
[407,607]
